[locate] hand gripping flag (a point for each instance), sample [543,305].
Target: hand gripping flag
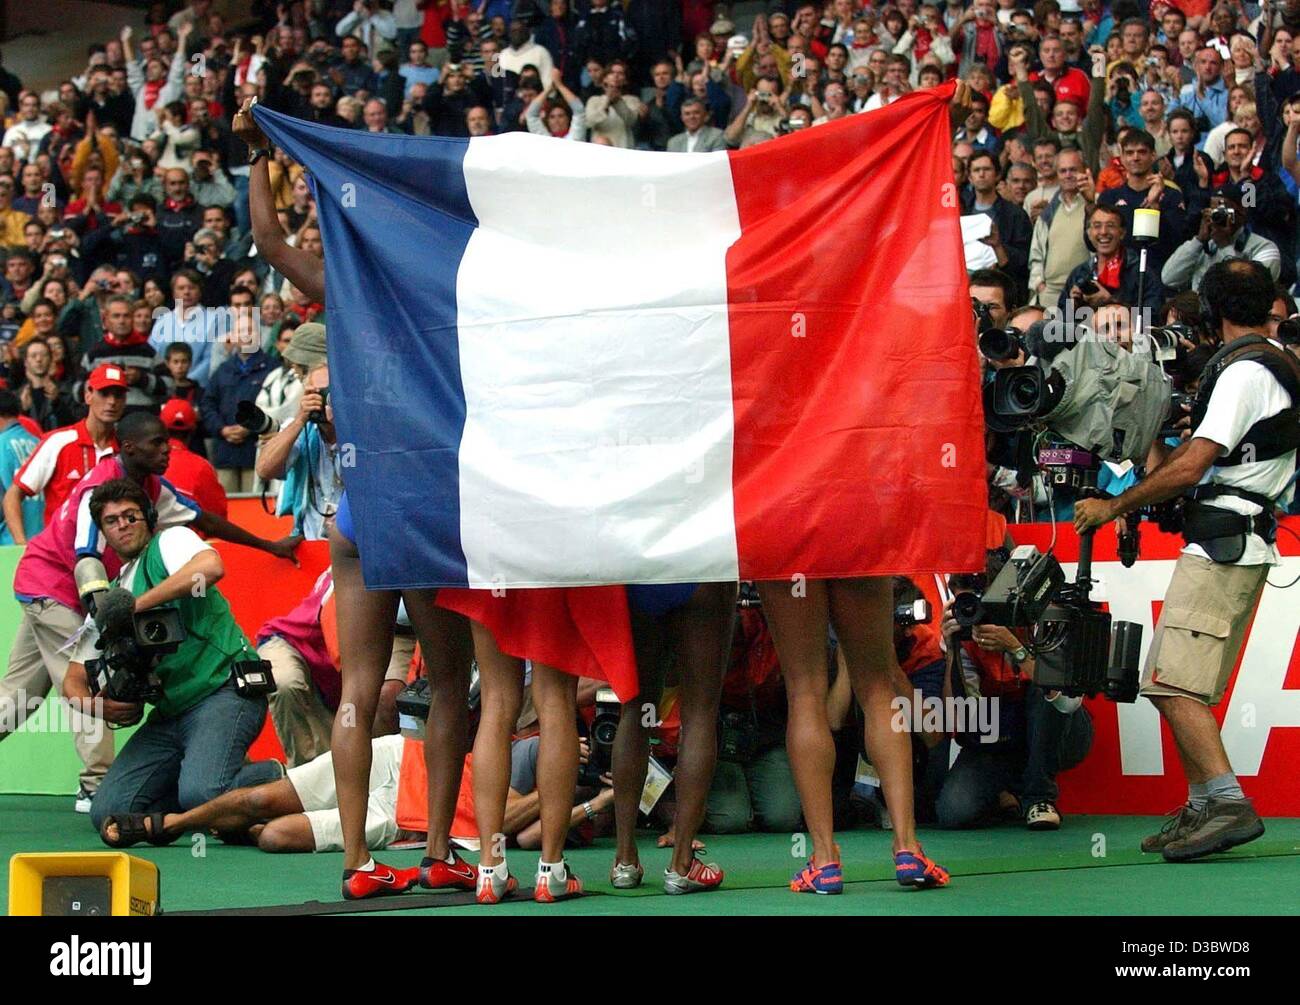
[561,364]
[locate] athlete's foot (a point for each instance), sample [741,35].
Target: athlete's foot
[693,878]
[555,881]
[494,883]
[380,881]
[914,870]
[626,875]
[449,873]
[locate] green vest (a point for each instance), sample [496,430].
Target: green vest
[213,641]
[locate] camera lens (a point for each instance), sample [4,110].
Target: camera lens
[967,610]
[604,730]
[153,631]
[1023,393]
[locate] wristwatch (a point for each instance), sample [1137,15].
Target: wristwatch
[589,810]
[1018,656]
[257,153]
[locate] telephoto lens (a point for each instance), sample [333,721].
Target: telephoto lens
[254,419]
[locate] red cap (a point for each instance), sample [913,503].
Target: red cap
[179,414]
[106,375]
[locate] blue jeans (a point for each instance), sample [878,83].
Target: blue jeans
[174,764]
[1048,743]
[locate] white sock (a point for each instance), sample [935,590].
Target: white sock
[499,870]
[368,867]
[559,870]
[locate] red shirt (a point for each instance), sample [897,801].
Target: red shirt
[59,461]
[1072,85]
[194,476]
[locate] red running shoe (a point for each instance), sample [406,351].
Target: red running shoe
[454,875]
[381,881]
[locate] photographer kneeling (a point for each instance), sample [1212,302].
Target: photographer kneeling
[1038,733]
[193,745]
[1231,474]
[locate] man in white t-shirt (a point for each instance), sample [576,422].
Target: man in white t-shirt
[1233,471]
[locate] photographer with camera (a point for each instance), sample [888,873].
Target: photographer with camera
[207,708]
[1223,236]
[1038,733]
[1110,274]
[1230,475]
[306,452]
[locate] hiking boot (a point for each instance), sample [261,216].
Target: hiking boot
[1177,824]
[1223,824]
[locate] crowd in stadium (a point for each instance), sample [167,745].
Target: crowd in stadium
[133,287]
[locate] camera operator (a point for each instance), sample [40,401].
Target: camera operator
[306,452]
[1039,733]
[1232,473]
[1223,235]
[193,746]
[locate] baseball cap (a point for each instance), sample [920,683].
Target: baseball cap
[307,347]
[179,414]
[107,375]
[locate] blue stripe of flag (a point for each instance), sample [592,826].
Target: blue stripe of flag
[395,228]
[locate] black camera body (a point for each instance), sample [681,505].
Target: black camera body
[1018,595]
[124,671]
[600,738]
[317,415]
[1090,659]
[253,678]
[737,736]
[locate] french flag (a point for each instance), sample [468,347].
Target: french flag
[561,364]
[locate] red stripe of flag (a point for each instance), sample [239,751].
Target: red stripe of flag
[859,430]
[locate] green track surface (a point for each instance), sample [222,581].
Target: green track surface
[1090,867]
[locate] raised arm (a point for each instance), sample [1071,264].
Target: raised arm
[303,269]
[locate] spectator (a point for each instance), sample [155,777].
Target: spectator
[130,350]
[1222,235]
[1058,244]
[1207,97]
[1146,188]
[187,322]
[1110,274]
[179,217]
[759,118]
[614,115]
[237,379]
[132,241]
[29,129]
[663,102]
[416,70]
[16,445]
[43,399]
[208,183]
[1011,232]
[564,118]
[1272,211]
[373,26]
[697,136]
[1186,165]
[154,83]
[604,35]
[13,222]
[525,51]
[191,474]
[976,131]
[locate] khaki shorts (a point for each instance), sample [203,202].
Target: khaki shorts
[1202,625]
